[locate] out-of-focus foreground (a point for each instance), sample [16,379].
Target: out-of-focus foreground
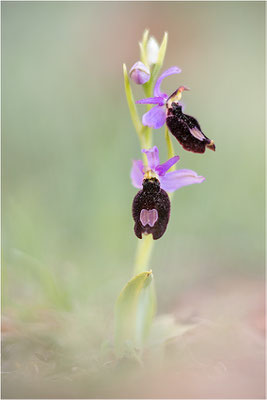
[68,240]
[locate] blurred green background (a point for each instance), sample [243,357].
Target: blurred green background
[68,142]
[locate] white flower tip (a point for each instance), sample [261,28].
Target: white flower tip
[152,51]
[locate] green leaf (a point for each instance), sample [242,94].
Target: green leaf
[145,314]
[143,45]
[161,56]
[134,312]
[131,104]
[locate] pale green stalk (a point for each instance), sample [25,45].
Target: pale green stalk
[147,132]
[143,254]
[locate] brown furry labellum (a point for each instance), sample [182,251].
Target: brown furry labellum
[151,209]
[187,130]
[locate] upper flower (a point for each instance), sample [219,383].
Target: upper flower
[156,117]
[169,181]
[185,128]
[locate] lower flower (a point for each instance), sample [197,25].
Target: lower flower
[151,209]
[151,206]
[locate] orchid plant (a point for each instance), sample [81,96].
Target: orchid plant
[136,304]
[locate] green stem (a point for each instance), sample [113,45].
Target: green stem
[147,132]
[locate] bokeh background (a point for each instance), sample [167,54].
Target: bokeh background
[68,241]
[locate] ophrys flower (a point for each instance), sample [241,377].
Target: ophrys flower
[151,205]
[185,128]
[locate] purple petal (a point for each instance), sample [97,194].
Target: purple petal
[152,157]
[155,117]
[137,174]
[152,100]
[177,179]
[139,73]
[163,168]
[139,77]
[170,71]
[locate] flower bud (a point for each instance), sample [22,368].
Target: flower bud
[139,73]
[152,51]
